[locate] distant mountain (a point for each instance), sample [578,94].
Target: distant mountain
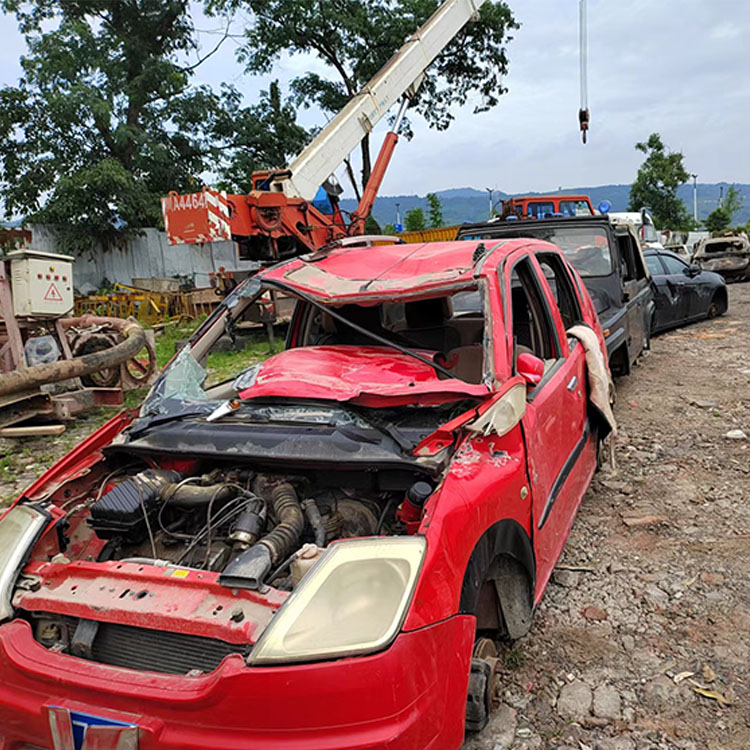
[469,204]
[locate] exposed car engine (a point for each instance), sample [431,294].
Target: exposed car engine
[254,529]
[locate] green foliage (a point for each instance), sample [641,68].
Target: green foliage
[104,120]
[435,208]
[372,226]
[355,38]
[414,220]
[721,217]
[262,136]
[390,229]
[656,183]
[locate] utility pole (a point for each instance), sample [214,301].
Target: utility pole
[695,198]
[490,191]
[399,227]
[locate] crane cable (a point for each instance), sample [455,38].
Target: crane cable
[583,112]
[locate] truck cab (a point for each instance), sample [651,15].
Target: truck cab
[607,254]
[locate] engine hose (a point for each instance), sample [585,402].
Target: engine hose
[194,496]
[283,539]
[27,378]
[250,569]
[312,513]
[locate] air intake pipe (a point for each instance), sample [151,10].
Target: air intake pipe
[250,569]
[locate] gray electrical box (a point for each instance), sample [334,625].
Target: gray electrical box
[42,284]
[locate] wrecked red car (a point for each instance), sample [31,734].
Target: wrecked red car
[305,555]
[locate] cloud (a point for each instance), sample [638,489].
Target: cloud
[677,67]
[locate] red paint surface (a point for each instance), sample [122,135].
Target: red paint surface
[348,373]
[410,696]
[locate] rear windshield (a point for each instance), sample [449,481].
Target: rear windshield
[587,248]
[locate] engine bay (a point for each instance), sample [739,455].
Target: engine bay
[253,529]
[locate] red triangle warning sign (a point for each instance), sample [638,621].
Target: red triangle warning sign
[53,295]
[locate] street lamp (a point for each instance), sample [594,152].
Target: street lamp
[490,191]
[695,197]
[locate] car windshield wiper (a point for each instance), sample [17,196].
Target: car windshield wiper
[387,428]
[363,331]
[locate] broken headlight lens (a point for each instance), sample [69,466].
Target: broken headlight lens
[352,602]
[19,529]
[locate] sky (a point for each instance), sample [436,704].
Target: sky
[677,67]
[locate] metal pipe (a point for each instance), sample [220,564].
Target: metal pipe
[32,377]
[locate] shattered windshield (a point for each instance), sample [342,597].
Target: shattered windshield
[445,333]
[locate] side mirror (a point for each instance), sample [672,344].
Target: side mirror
[692,270]
[530,368]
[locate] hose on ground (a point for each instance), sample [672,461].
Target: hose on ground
[29,378]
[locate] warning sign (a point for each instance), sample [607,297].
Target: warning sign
[53,295]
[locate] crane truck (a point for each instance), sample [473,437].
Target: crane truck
[280,216]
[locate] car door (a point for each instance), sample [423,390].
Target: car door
[555,424]
[677,284]
[665,314]
[636,290]
[689,285]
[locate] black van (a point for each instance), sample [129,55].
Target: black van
[607,255]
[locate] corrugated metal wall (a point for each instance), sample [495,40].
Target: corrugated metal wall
[146,256]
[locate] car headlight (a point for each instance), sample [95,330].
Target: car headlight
[19,529]
[353,601]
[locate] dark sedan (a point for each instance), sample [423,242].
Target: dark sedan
[683,293]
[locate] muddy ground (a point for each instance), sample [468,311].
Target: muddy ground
[642,640]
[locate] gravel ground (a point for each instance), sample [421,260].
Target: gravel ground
[643,638]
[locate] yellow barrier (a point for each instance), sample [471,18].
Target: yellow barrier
[441,234]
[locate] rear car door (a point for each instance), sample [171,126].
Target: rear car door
[555,424]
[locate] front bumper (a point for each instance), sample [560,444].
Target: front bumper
[411,696]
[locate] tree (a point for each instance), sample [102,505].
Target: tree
[721,217]
[435,210]
[104,120]
[656,183]
[414,220]
[355,38]
[389,229]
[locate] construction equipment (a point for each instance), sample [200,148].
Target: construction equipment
[98,357]
[287,213]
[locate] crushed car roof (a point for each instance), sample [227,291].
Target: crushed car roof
[398,270]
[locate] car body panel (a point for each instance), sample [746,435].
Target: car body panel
[519,488]
[682,296]
[621,291]
[728,255]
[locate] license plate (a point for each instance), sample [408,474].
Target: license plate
[76,730]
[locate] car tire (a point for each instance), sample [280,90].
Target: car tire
[716,308]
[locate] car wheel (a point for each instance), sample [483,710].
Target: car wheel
[717,307]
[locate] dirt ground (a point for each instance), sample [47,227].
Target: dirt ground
[642,640]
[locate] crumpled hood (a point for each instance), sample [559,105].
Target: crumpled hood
[369,375]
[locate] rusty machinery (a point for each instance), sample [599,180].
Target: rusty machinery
[96,357]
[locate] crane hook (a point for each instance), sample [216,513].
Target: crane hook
[583,112]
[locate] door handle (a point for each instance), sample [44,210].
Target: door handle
[573,383]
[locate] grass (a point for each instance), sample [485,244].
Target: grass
[45,451]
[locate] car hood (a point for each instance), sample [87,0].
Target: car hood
[369,375]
